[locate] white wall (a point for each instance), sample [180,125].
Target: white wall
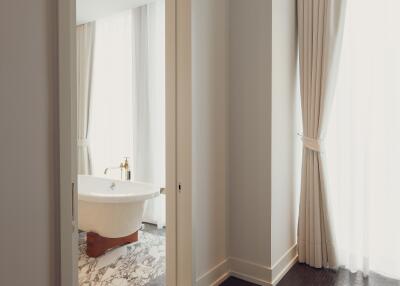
[29,139]
[262,132]
[209,73]
[249,132]
[245,131]
[285,144]
[29,166]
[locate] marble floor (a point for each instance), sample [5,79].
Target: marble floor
[139,264]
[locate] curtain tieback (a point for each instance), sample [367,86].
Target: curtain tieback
[312,143]
[83,142]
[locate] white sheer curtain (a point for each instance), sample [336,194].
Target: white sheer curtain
[111,136]
[84,54]
[149,103]
[128,109]
[363,140]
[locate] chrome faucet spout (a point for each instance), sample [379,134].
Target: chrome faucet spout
[106,170]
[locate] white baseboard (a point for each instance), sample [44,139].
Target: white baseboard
[250,271]
[283,265]
[215,276]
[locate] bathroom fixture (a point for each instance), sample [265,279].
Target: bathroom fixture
[111,216]
[125,170]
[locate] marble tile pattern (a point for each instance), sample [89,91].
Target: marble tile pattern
[140,263]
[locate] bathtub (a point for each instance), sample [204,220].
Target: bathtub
[112,208]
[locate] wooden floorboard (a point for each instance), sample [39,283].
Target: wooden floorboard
[302,275]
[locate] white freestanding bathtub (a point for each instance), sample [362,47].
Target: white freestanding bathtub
[112,208]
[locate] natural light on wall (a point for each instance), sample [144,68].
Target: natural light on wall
[363,140]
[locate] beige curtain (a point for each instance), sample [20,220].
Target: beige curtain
[84,53]
[320,26]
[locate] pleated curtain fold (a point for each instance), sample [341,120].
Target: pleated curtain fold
[84,53]
[320,28]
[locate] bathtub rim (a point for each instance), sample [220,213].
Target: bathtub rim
[103,197]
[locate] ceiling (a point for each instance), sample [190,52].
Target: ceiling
[90,10]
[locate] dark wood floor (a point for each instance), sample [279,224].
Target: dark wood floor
[302,275]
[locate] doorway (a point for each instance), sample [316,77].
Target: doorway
[121,143]
[177,145]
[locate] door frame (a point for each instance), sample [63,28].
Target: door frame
[179,254]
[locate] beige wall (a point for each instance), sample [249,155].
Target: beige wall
[209,60]
[28,128]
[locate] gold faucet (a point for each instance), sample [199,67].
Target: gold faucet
[124,167]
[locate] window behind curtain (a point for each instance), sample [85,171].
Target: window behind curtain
[111,106]
[363,143]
